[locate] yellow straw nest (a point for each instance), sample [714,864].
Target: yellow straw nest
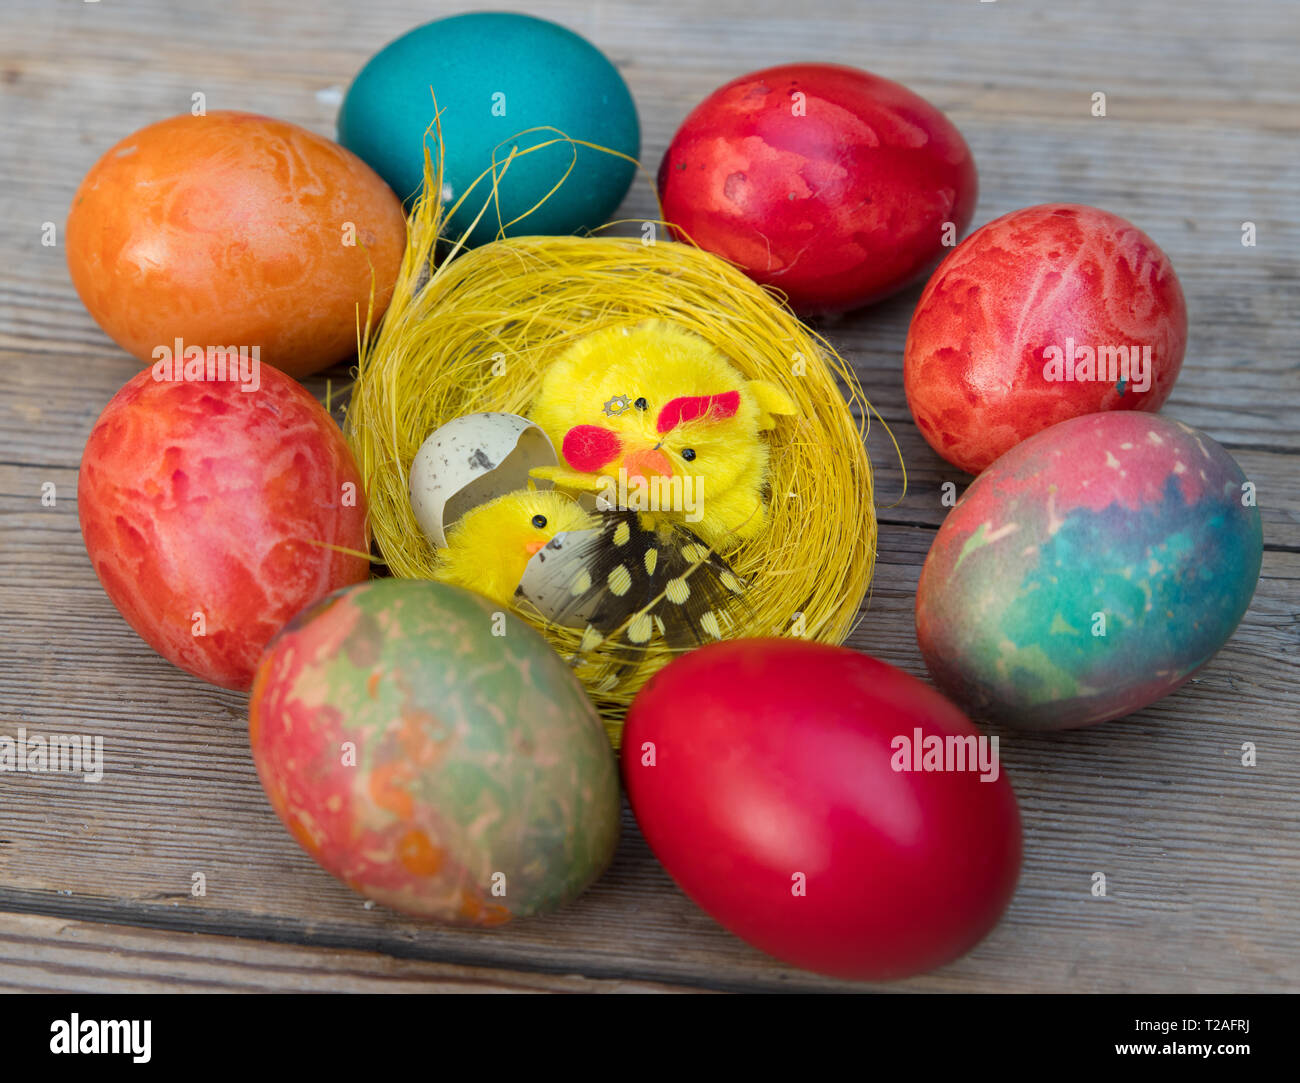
[473,330]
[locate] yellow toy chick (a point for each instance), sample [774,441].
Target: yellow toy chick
[610,575]
[653,413]
[489,547]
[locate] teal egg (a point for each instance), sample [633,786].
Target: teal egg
[496,76]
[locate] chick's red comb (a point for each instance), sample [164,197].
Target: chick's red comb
[690,407]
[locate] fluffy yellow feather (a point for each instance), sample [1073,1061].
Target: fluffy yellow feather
[489,547]
[657,406]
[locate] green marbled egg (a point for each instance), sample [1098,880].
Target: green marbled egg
[434,753]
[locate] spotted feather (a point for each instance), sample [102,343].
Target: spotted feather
[635,581]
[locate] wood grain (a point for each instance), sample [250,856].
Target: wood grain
[1201,854]
[50,955]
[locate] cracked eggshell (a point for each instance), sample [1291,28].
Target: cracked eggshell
[471,460]
[549,573]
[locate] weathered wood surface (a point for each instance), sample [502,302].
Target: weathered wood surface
[1202,855]
[50,955]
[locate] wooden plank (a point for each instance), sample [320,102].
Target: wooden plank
[1201,853]
[52,955]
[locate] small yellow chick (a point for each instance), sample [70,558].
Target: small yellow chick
[617,576]
[489,547]
[654,411]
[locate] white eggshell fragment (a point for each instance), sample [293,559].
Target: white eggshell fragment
[471,460]
[548,578]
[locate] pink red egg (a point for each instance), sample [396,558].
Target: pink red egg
[213,513]
[232,229]
[1042,315]
[832,184]
[783,785]
[1089,571]
[434,753]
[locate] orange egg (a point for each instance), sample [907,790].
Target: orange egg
[233,229]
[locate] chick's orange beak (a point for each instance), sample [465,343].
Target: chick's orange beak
[647,464]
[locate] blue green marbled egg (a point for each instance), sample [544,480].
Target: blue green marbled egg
[1089,571]
[496,75]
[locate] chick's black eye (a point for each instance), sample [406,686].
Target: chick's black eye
[688,453]
[539,521]
[641,404]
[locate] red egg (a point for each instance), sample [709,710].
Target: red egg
[832,184]
[783,784]
[209,512]
[1042,315]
